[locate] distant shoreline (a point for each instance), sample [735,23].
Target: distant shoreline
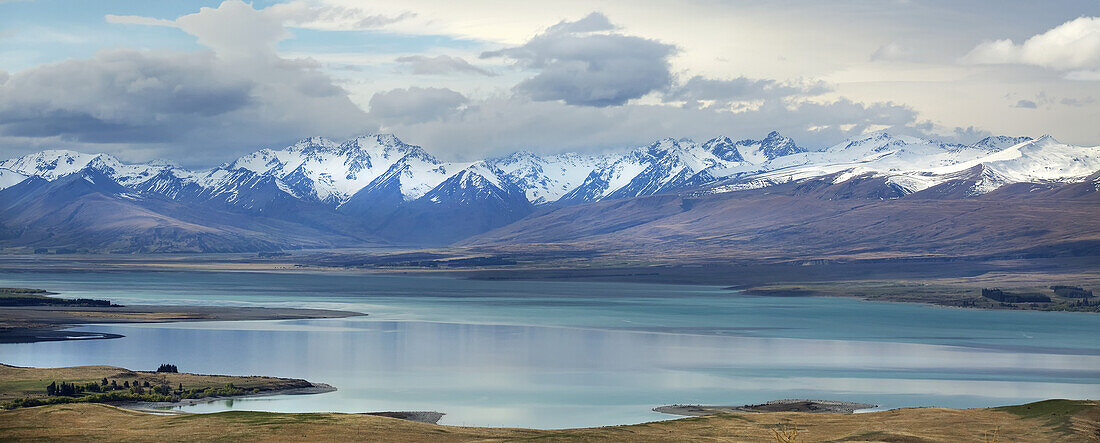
[812,406]
[32,324]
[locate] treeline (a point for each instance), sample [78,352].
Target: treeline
[64,389]
[1006,297]
[111,392]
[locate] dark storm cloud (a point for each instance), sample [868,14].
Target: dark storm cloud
[441,64]
[581,67]
[414,105]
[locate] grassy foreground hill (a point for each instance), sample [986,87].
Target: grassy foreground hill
[1049,421]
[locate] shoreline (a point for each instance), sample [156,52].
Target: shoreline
[33,324]
[788,405]
[162,407]
[951,284]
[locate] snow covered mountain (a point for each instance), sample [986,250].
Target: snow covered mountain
[381,171]
[386,185]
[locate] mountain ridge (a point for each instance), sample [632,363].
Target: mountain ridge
[378,189]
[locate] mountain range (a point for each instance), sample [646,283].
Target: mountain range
[377,190]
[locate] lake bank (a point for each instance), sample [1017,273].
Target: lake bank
[807,406]
[29,324]
[940,281]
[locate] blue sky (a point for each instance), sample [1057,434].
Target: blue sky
[204,81]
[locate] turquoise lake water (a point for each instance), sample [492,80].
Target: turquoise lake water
[564,354]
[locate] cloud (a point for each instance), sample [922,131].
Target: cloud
[1026,104]
[139,20]
[441,64]
[585,63]
[313,15]
[699,90]
[1072,45]
[1077,102]
[502,124]
[212,103]
[1084,75]
[892,52]
[233,30]
[414,105]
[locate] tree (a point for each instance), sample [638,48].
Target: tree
[167,367]
[126,384]
[104,381]
[51,389]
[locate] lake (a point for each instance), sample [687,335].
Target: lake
[554,354]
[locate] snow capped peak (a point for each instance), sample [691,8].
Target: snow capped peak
[49,164]
[372,139]
[382,167]
[771,147]
[56,163]
[724,148]
[1047,139]
[314,144]
[479,174]
[999,142]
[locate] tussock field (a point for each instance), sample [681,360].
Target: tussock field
[1049,421]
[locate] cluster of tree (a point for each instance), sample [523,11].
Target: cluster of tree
[1071,291]
[102,397]
[168,368]
[71,389]
[1005,297]
[65,389]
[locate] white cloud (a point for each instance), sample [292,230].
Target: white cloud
[700,91]
[579,64]
[212,103]
[892,51]
[414,105]
[1070,46]
[314,15]
[440,64]
[503,124]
